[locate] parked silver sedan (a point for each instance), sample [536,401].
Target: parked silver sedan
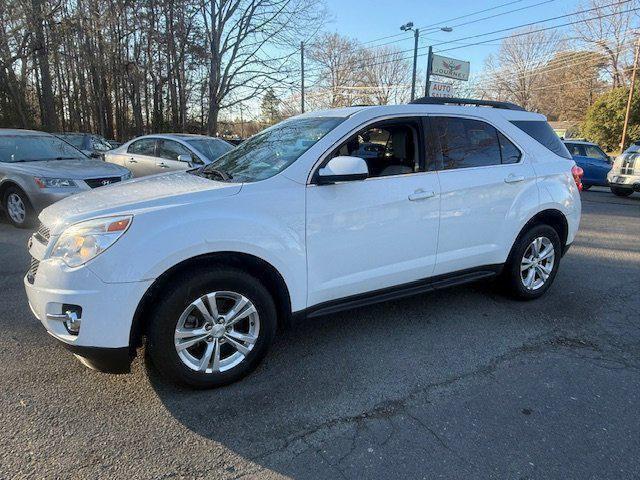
[165,152]
[38,169]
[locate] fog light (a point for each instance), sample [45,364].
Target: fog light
[72,323]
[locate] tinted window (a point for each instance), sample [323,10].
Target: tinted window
[274,149]
[388,148]
[466,143]
[574,149]
[30,148]
[100,144]
[542,132]
[510,153]
[212,148]
[145,146]
[171,150]
[74,139]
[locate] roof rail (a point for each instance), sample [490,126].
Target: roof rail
[466,101]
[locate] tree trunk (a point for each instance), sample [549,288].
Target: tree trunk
[48,108]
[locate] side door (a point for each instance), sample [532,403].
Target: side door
[599,165]
[169,152]
[485,184]
[140,157]
[367,235]
[579,156]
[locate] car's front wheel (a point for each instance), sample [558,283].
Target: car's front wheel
[621,192]
[211,328]
[533,263]
[17,207]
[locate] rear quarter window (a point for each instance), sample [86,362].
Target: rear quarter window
[542,132]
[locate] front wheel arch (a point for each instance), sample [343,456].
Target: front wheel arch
[266,273]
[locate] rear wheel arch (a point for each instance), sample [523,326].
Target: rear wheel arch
[552,217]
[262,270]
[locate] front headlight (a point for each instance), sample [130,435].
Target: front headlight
[86,240]
[44,182]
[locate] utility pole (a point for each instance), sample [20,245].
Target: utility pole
[416,35]
[427,82]
[629,100]
[302,77]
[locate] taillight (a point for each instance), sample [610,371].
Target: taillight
[577,173]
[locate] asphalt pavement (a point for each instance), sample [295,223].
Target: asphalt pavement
[463,383]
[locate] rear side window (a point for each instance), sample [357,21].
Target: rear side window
[466,143]
[145,146]
[542,132]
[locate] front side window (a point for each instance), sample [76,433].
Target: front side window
[144,146]
[593,151]
[172,150]
[466,143]
[388,148]
[32,148]
[542,132]
[272,150]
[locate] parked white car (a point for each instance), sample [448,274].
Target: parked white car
[624,177]
[167,152]
[206,264]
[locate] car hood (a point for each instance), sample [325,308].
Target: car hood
[77,169]
[130,197]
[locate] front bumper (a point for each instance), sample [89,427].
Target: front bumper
[624,181]
[107,309]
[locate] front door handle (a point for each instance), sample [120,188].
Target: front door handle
[133,160]
[514,178]
[421,195]
[162,165]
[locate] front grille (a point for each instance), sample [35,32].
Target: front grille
[43,234]
[33,269]
[101,182]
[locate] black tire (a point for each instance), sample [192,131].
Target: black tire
[621,192]
[29,213]
[585,187]
[175,299]
[511,277]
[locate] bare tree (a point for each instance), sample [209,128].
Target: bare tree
[389,73]
[609,29]
[514,72]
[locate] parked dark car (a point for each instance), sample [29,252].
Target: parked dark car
[592,159]
[91,145]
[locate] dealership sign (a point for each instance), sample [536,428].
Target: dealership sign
[441,90]
[450,67]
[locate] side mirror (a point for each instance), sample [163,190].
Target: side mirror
[342,169]
[185,158]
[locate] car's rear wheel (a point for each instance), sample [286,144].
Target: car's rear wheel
[211,328]
[621,192]
[17,207]
[533,263]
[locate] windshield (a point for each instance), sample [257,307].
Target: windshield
[634,148]
[212,148]
[31,148]
[74,139]
[272,150]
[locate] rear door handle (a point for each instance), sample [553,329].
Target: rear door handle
[162,165]
[133,160]
[421,195]
[514,178]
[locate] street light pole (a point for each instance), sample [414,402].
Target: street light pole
[416,36]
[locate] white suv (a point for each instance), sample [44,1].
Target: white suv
[325,211]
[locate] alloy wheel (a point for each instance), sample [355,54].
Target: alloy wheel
[216,332]
[16,208]
[537,263]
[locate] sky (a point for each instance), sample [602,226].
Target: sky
[366,20]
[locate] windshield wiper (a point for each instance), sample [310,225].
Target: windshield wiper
[214,172]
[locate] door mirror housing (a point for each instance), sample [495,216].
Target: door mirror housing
[342,169]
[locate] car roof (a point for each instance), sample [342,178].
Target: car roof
[20,131]
[416,109]
[579,142]
[177,136]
